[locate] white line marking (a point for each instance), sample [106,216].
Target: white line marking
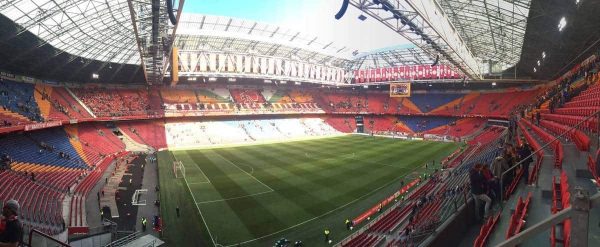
[199,211]
[192,183]
[201,171]
[233,198]
[243,171]
[316,217]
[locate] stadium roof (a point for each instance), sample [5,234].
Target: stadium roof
[219,33]
[85,36]
[93,29]
[493,30]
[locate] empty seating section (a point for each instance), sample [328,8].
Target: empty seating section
[385,125]
[429,102]
[65,99]
[51,109]
[421,124]
[113,102]
[556,145]
[18,101]
[44,147]
[342,124]
[459,128]
[561,198]
[495,104]
[485,231]
[477,144]
[343,101]
[11,119]
[517,219]
[41,206]
[581,140]
[56,177]
[98,140]
[173,96]
[364,240]
[589,124]
[576,111]
[465,127]
[301,97]
[276,96]
[215,95]
[247,96]
[189,134]
[490,134]
[151,133]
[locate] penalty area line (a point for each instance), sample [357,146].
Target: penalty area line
[233,198]
[199,211]
[228,161]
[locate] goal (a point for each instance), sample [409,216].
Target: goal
[178,169]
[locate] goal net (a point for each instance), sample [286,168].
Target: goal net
[178,169]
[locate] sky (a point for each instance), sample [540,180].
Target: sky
[314,17]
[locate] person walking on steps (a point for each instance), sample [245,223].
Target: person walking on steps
[144,222]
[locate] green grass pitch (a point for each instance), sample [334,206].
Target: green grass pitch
[257,194]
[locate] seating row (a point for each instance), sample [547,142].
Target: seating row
[485,231]
[517,219]
[560,199]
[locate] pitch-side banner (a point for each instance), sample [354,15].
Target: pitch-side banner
[400,89]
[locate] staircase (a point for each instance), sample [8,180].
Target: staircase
[131,145]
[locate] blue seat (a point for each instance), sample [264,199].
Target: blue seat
[25,148]
[429,102]
[419,124]
[18,97]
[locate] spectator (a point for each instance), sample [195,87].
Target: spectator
[478,189]
[526,158]
[12,236]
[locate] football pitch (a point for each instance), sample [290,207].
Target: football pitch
[256,194]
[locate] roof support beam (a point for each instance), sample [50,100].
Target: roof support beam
[154,36]
[424,23]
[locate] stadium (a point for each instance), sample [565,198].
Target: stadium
[346,123]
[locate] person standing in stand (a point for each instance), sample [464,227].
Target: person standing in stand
[12,235]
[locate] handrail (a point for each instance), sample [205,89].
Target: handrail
[540,150]
[45,236]
[586,203]
[124,240]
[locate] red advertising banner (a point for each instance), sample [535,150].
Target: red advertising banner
[385,202]
[44,125]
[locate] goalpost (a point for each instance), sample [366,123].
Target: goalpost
[178,169]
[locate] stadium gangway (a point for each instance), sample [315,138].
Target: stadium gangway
[578,212]
[556,138]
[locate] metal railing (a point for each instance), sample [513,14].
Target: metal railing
[125,240]
[46,240]
[578,212]
[541,149]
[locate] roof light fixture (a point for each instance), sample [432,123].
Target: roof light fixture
[562,23]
